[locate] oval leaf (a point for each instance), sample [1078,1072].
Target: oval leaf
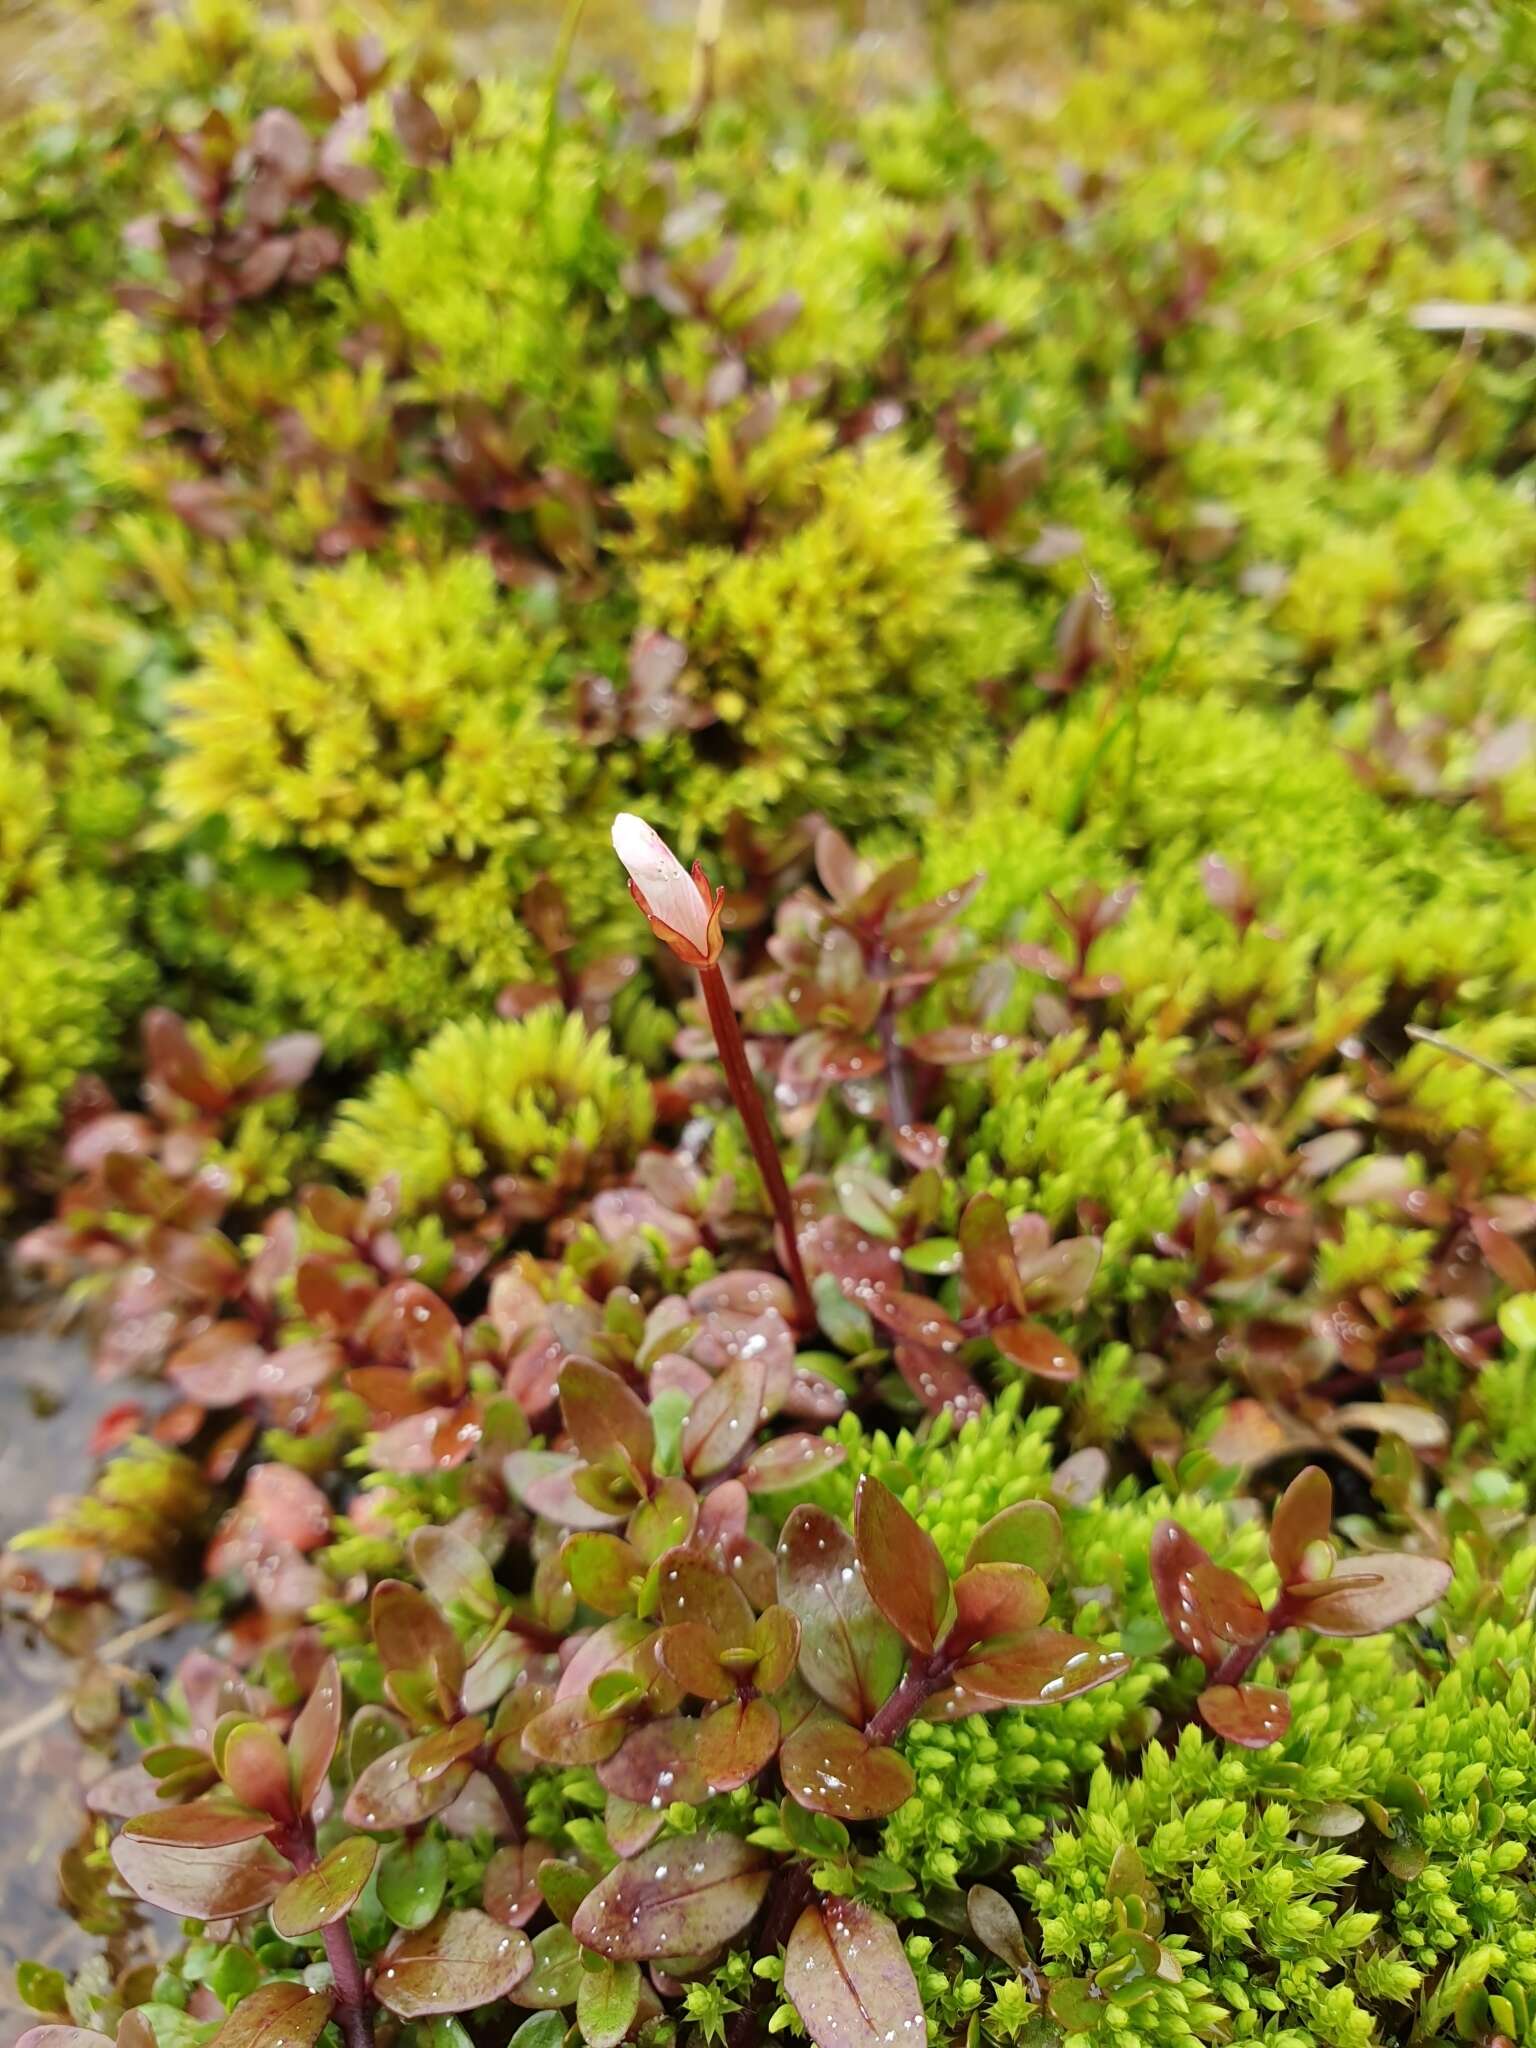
[1303,1516]
[1251,1715]
[849,1653]
[463,1960]
[1039,1668]
[328,1892]
[788,1461]
[721,1422]
[902,1568]
[315,1733]
[1027,1533]
[829,1767]
[996,1600]
[201,1883]
[1370,1593]
[847,1976]
[681,1897]
[276,2016]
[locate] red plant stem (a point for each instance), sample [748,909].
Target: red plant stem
[923,1678]
[1240,1660]
[353,2011]
[749,1105]
[507,1792]
[898,1081]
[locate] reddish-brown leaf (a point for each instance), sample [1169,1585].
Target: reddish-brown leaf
[203,1823]
[573,1731]
[847,1976]
[280,2015]
[691,1589]
[314,1735]
[736,1741]
[996,1600]
[510,1889]
[463,1960]
[830,1767]
[657,1764]
[410,1635]
[1508,1260]
[690,1653]
[1037,1349]
[906,1577]
[849,1653]
[1251,1715]
[940,1381]
[1207,1609]
[605,1417]
[201,1883]
[254,1765]
[1039,1667]
[680,1897]
[387,1794]
[776,1638]
[914,1318]
[721,1423]
[988,1261]
[1303,1516]
[790,1461]
[1369,1594]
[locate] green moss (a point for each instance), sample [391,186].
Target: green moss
[541,1097]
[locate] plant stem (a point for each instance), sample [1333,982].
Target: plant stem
[749,1105]
[923,1678]
[353,2012]
[507,1792]
[898,1079]
[570,21]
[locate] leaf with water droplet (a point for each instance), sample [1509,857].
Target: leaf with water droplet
[1253,1716]
[201,1883]
[462,1960]
[680,1897]
[1039,1667]
[848,1978]
[328,1892]
[278,2015]
[790,1461]
[829,1767]
[849,1653]
[413,1877]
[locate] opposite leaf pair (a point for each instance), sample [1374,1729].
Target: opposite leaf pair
[1216,1615]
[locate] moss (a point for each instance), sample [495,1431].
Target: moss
[541,1097]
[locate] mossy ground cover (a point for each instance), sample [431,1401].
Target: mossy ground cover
[1038,500]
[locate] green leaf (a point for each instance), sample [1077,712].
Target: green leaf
[328,1892]
[42,1988]
[413,1876]
[849,1653]
[606,2003]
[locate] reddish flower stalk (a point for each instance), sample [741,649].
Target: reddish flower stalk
[684,910]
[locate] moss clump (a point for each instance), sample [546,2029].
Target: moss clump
[540,1097]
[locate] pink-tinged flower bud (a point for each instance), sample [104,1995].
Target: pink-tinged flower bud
[682,908]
